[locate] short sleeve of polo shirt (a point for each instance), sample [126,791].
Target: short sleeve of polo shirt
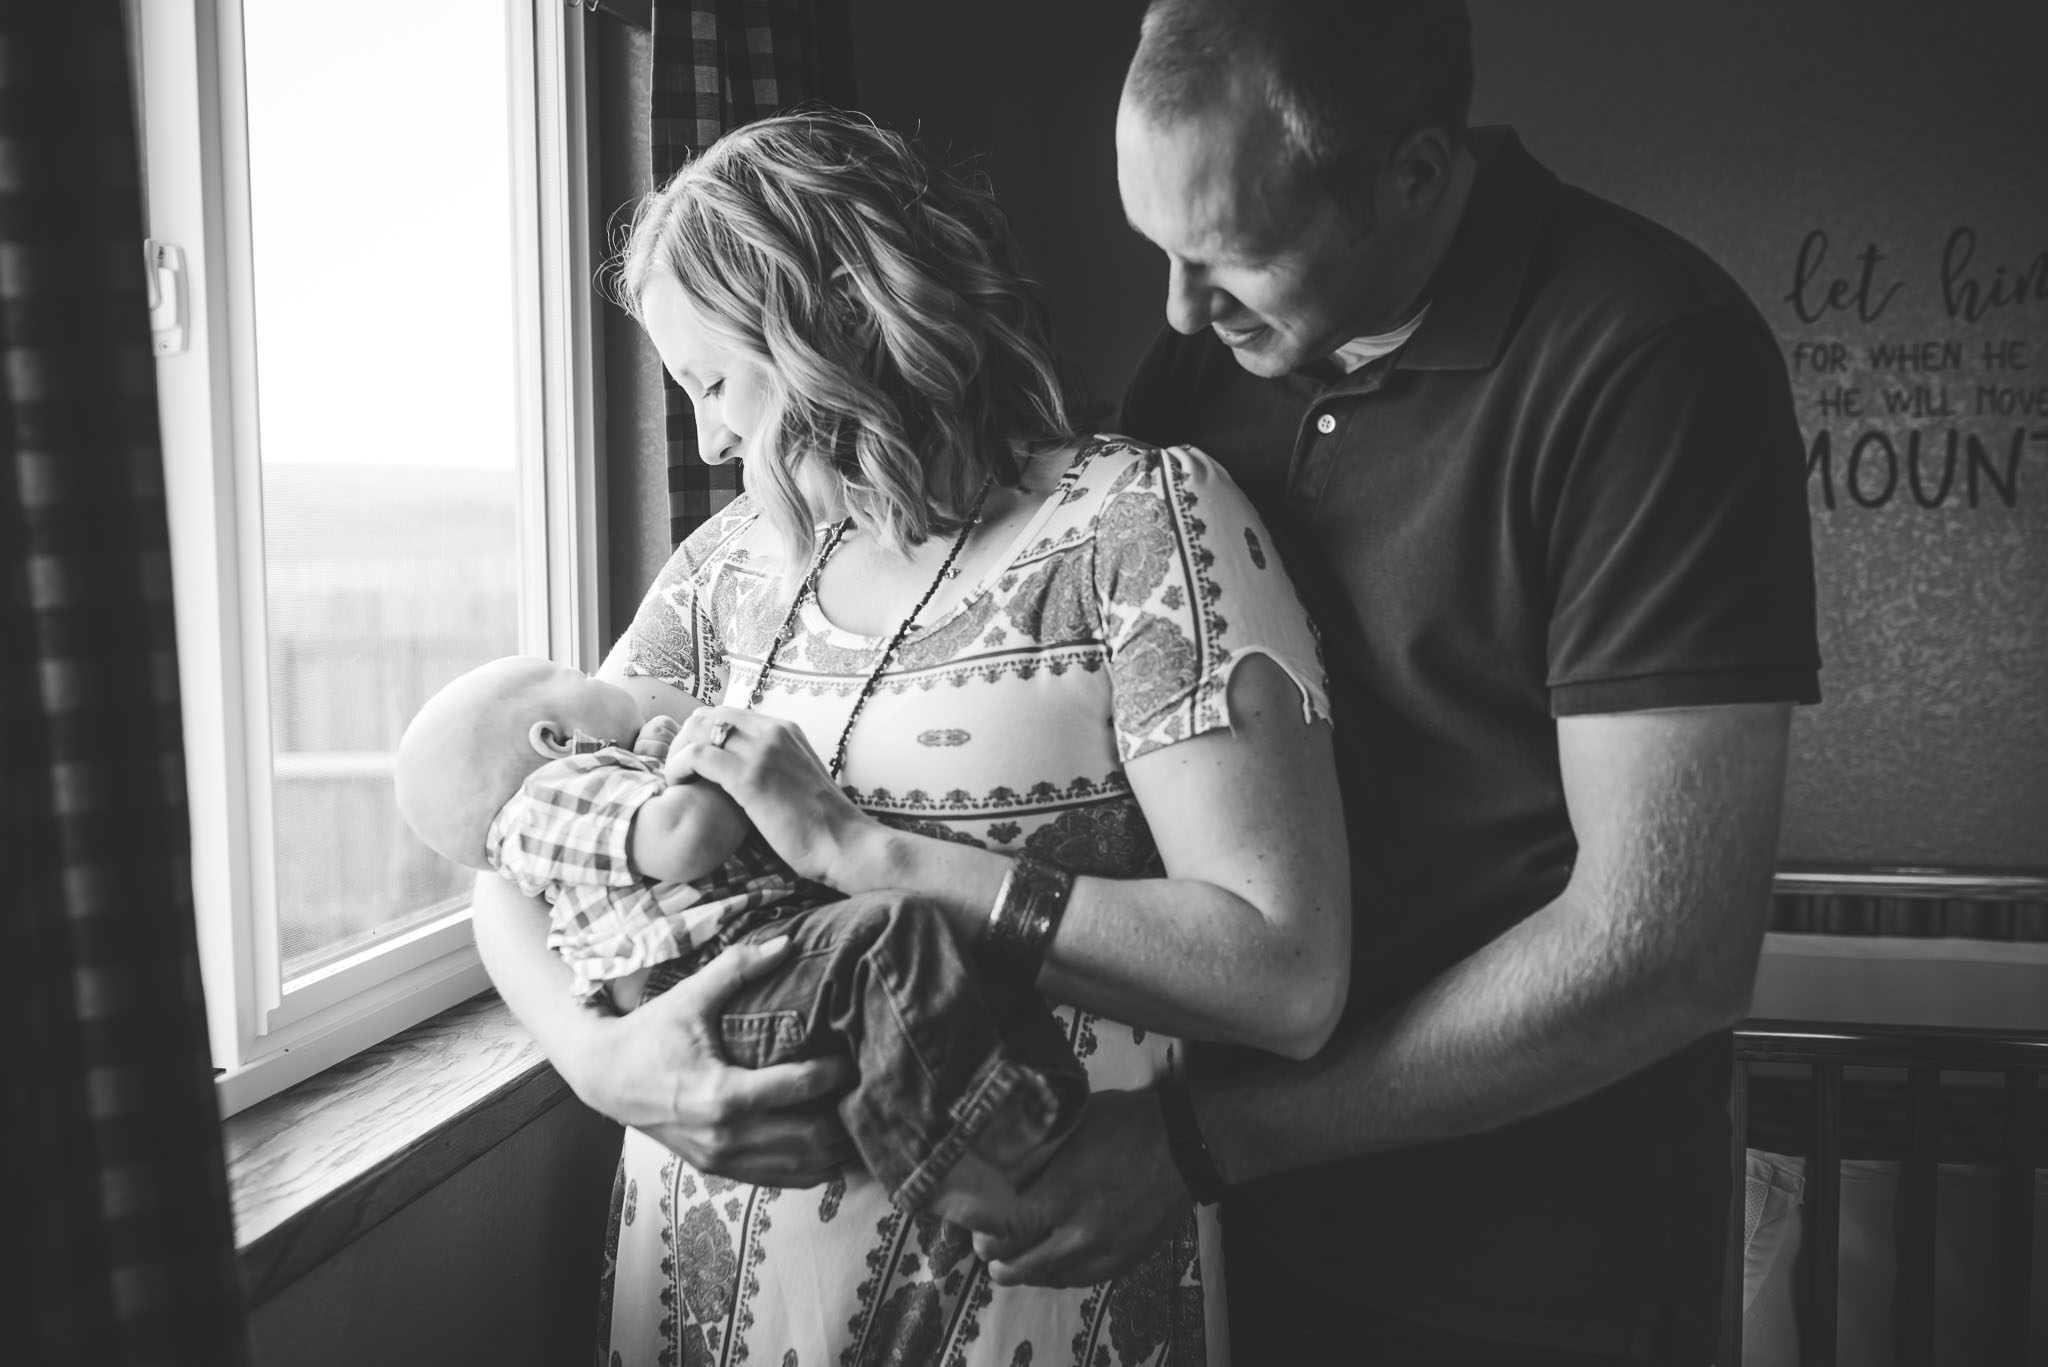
[1679,556]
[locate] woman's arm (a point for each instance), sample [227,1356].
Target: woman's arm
[660,1069]
[1247,938]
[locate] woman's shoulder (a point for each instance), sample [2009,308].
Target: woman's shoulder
[1112,463]
[1115,479]
[733,534]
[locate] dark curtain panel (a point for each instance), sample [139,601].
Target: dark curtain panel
[719,64]
[116,1217]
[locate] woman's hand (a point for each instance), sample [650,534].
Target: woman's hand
[768,766]
[661,1070]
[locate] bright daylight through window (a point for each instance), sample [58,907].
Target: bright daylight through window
[363,244]
[385,361]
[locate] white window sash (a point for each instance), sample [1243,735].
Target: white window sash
[268,1033]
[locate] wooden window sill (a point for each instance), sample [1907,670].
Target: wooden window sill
[315,1167]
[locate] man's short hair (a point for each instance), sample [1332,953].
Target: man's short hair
[1350,80]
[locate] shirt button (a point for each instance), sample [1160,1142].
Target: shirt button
[1326,424]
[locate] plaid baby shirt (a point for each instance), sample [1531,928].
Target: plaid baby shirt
[563,835]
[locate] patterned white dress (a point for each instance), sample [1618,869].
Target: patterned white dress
[1110,630]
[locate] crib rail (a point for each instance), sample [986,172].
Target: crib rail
[1923,1054]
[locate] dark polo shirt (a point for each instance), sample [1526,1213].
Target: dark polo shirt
[1579,488]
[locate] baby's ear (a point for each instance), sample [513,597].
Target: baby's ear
[546,741]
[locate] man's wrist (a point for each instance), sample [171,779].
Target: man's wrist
[1185,1144]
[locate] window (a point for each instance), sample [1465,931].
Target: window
[370,259]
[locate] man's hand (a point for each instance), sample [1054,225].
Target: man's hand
[662,1070]
[1108,1197]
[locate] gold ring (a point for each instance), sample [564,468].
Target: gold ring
[719,731]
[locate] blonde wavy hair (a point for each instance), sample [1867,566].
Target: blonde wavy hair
[885,299]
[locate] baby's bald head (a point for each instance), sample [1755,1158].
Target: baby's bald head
[472,745]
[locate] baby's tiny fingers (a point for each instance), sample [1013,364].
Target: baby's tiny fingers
[678,768]
[656,736]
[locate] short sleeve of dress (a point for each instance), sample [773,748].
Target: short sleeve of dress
[1189,586]
[674,635]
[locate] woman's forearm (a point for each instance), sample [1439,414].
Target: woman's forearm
[1177,955]
[511,938]
[1247,939]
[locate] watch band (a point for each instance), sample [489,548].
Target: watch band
[1184,1142]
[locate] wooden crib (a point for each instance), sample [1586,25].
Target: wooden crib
[1823,1053]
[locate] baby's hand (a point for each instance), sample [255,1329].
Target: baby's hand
[655,737]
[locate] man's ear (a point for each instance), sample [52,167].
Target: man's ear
[1420,169]
[546,741]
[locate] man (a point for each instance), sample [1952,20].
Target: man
[1533,461]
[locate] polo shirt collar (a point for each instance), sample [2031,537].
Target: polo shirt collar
[1480,279]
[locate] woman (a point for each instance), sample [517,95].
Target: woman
[952,645]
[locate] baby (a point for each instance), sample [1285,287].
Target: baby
[521,767]
[517,767]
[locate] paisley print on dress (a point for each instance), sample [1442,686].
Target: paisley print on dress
[1007,723]
[818,652]
[1153,673]
[1106,840]
[1147,1310]
[659,643]
[1135,547]
[948,638]
[907,1329]
[1055,602]
[707,1263]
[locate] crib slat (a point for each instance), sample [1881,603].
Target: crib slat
[1732,1258]
[1823,1226]
[1913,1295]
[2016,1215]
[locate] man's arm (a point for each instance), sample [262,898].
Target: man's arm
[1652,944]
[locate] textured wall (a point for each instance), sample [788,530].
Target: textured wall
[1860,168]
[1748,125]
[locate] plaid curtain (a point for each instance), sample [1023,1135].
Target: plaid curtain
[717,65]
[116,1221]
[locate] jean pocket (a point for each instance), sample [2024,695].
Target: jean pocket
[759,1038]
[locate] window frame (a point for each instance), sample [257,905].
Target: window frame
[268,1033]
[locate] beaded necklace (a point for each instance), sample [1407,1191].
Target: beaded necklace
[809,589]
